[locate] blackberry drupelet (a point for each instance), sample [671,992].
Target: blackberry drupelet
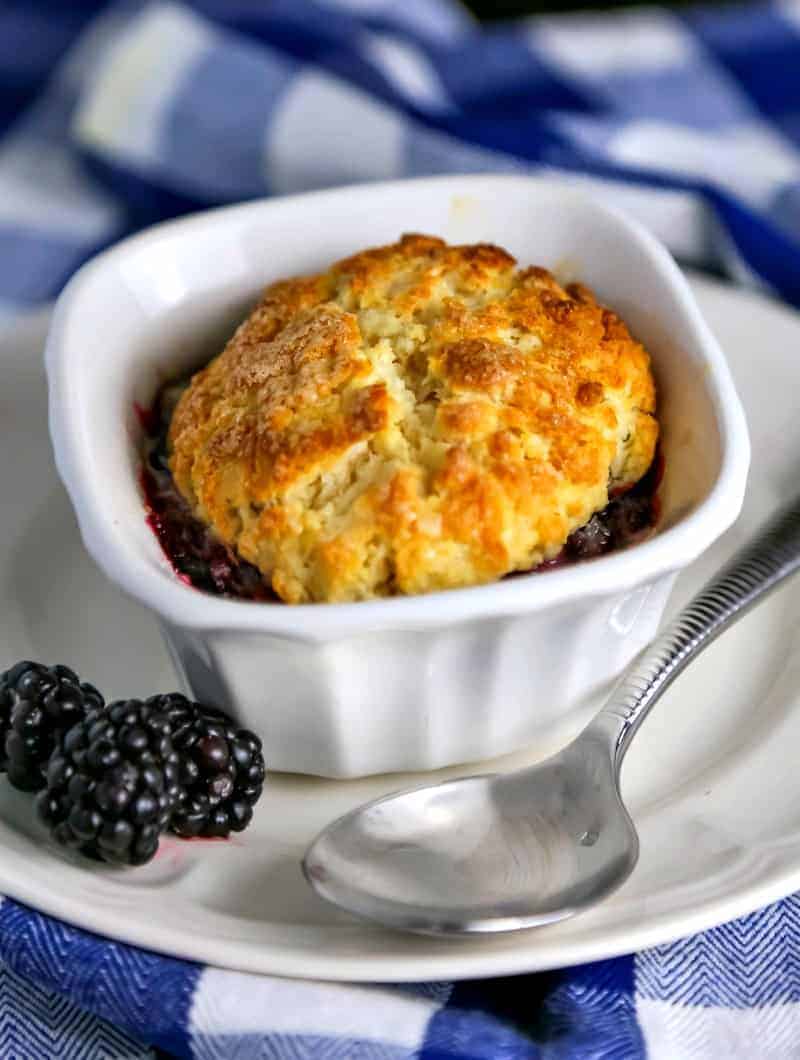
[113,783]
[37,704]
[222,768]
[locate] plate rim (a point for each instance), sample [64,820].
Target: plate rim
[243,956]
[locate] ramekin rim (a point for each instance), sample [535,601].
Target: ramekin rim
[188,608]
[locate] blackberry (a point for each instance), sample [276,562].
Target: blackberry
[112,783]
[221,768]
[37,704]
[592,539]
[629,517]
[620,523]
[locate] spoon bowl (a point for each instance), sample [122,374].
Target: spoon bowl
[484,853]
[499,853]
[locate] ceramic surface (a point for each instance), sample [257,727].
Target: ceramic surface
[715,798]
[417,682]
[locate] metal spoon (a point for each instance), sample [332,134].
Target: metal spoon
[502,852]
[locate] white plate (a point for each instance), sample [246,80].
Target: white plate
[712,781]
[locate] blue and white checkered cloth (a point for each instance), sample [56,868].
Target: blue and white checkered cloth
[113,116]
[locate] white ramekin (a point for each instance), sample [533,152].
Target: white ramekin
[409,683]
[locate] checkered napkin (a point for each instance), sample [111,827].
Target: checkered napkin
[115,116]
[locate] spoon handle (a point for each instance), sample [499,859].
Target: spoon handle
[755,571]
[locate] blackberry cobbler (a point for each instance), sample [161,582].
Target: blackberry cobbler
[417,417]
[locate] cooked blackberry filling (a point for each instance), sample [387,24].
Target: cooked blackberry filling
[197,556]
[200,559]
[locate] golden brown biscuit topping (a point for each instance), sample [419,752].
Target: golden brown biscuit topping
[418,417]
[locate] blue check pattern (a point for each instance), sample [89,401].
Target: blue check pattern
[117,115]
